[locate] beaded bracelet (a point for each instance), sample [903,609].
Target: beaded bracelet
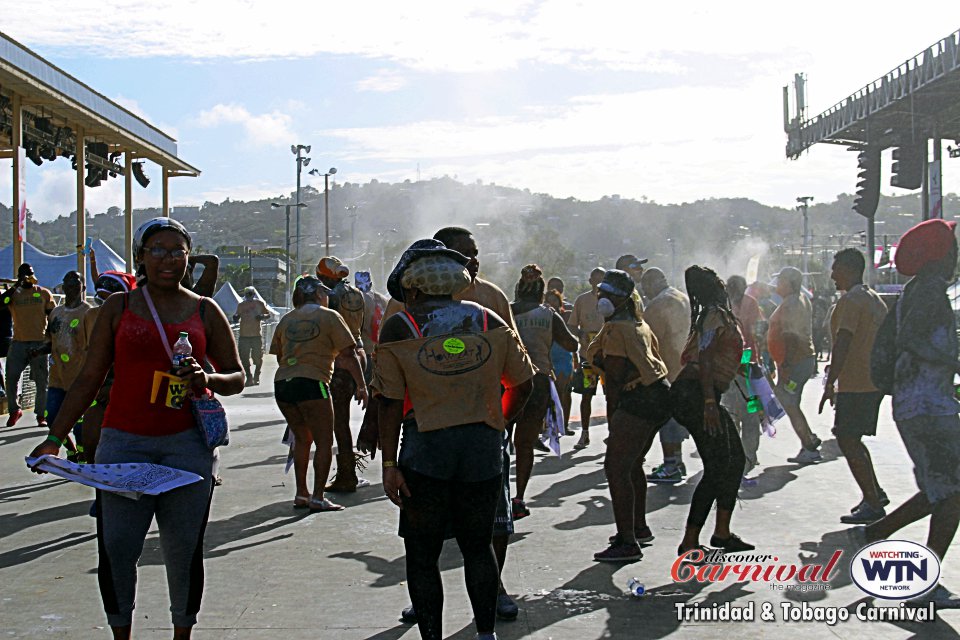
[389,463]
[54,439]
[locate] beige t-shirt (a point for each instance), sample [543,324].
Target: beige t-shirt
[586,319]
[249,312]
[861,312]
[536,333]
[486,294]
[453,379]
[28,308]
[668,315]
[349,304]
[634,341]
[307,341]
[68,344]
[793,317]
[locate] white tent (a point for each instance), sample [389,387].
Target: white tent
[50,269]
[228,299]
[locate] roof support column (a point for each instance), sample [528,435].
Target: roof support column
[166,192]
[128,210]
[17,144]
[81,158]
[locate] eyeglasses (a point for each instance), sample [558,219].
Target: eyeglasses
[160,253]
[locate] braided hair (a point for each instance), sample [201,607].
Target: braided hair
[531,285]
[707,292]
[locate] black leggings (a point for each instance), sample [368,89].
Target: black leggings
[723,460]
[467,508]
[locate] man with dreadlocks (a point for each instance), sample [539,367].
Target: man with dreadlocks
[539,327]
[711,360]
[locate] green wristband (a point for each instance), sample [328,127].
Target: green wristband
[54,439]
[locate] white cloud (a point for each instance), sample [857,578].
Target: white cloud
[265,129]
[483,35]
[667,145]
[383,81]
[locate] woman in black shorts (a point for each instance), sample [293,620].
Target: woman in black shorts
[306,342]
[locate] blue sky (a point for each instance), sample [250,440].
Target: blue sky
[575,99]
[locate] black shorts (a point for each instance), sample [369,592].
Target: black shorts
[296,390]
[439,508]
[856,414]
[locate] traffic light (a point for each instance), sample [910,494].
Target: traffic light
[907,170]
[868,182]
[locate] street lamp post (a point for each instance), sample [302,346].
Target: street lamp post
[302,162]
[277,205]
[326,200]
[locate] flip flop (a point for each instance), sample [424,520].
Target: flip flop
[323,504]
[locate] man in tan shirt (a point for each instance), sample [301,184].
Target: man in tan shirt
[853,326]
[668,314]
[250,313]
[346,300]
[790,341]
[585,322]
[29,306]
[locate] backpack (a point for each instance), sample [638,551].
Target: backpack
[883,356]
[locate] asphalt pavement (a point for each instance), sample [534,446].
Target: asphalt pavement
[276,573]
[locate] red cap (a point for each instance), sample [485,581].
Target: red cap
[927,242]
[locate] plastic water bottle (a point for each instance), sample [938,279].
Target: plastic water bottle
[182,350]
[636,587]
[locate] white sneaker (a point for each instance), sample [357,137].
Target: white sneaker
[806,456]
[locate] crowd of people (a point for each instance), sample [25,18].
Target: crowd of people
[452,378]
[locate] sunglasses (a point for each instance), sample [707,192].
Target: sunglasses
[160,253]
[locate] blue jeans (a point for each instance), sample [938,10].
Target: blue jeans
[181,514]
[16,362]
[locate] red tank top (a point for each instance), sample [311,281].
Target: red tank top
[137,354]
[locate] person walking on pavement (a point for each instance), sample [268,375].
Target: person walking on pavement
[746,310]
[491,297]
[346,300]
[29,305]
[129,334]
[925,408]
[668,315]
[853,327]
[306,342]
[638,404]
[66,342]
[585,322]
[251,312]
[790,341]
[539,327]
[448,358]
[711,360]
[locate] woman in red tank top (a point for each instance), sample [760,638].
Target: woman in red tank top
[143,425]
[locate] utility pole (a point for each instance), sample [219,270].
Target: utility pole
[805,247]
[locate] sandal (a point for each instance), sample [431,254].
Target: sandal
[301,502]
[323,504]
